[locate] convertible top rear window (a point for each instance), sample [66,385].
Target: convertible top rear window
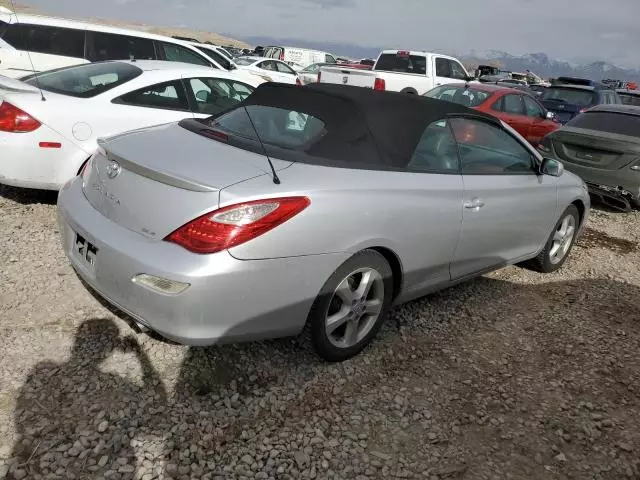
[85,81]
[296,134]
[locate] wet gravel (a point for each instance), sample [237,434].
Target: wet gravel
[514,375]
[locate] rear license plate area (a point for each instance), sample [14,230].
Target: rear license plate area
[85,251]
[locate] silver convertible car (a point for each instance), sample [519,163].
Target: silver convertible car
[314,207]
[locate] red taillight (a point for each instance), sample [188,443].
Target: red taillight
[12,119]
[282,56]
[236,224]
[379,84]
[403,53]
[298,82]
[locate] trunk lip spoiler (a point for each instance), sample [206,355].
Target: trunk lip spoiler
[159,175]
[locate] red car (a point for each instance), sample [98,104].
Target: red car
[516,107]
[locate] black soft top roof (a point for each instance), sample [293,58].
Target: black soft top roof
[395,122]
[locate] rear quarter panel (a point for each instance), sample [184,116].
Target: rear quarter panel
[415,215]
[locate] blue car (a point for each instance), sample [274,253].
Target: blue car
[568,97]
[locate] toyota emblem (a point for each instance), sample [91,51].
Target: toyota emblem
[113,169]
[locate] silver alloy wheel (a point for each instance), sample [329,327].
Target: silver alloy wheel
[562,239]
[355,307]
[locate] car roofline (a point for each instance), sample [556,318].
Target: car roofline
[53,21]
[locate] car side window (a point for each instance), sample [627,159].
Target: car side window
[329,59]
[532,108]
[167,96]
[178,53]
[284,68]
[443,68]
[66,42]
[269,65]
[457,71]
[513,105]
[214,95]
[486,149]
[437,151]
[109,46]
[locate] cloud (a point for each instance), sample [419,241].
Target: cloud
[566,29]
[331,3]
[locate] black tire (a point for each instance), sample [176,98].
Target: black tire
[543,263]
[320,309]
[410,91]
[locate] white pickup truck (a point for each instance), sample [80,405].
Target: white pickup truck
[401,71]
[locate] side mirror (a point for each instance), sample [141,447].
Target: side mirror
[202,95]
[552,167]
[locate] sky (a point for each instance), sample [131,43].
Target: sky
[573,30]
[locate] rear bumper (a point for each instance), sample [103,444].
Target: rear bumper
[228,300]
[625,180]
[23,163]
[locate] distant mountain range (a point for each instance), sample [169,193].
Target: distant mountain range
[541,64]
[538,63]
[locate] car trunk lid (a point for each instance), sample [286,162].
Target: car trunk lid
[590,148]
[155,180]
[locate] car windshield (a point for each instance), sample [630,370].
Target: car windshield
[610,122]
[393,62]
[575,96]
[245,61]
[221,59]
[469,97]
[85,81]
[630,98]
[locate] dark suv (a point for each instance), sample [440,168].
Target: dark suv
[568,97]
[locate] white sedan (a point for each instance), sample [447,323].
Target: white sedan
[50,123]
[268,68]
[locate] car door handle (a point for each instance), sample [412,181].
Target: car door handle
[475,204]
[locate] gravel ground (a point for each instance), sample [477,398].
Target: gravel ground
[514,375]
